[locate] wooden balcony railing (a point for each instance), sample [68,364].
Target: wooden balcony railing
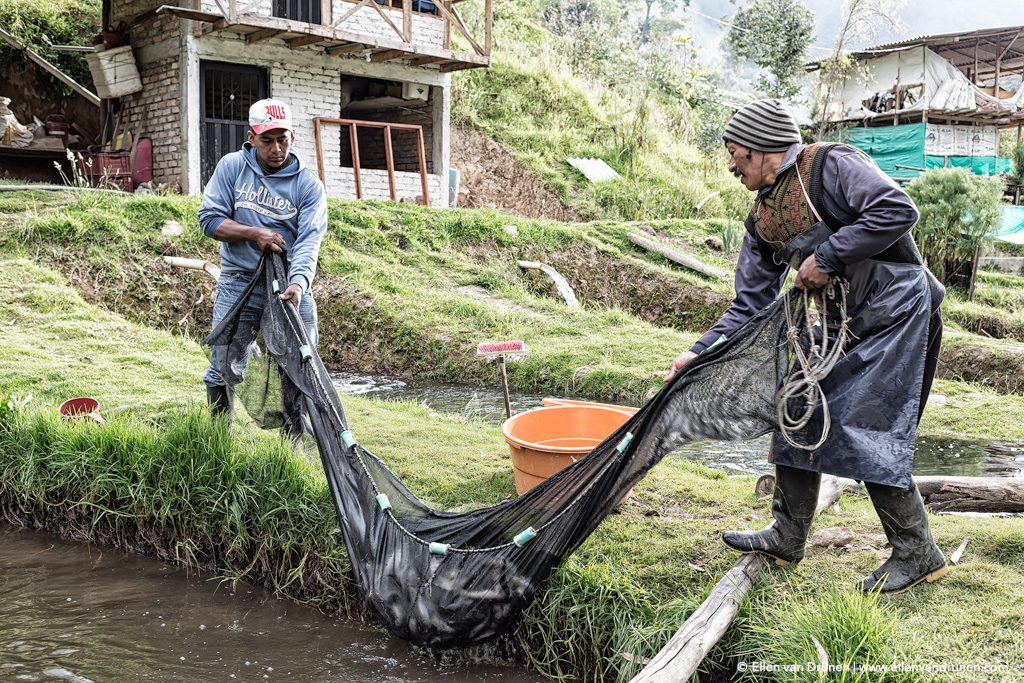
[353,125]
[396,37]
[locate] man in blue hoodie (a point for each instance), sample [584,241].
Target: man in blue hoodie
[262,198]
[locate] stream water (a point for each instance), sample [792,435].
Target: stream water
[945,456]
[80,613]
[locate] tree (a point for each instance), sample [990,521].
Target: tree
[774,34]
[862,20]
[665,8]
[958,213]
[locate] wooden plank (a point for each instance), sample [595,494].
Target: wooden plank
[684,652]
[318,142]
[677,257]
[348,49]
[388,55]
[302,41]
[390,158]
[488,25]
[61,76]
[447,26]
[407,20]
[1010,44]
[354,142]
[262,34]
[459,66]
[423,164]
[422,61]
[188,13]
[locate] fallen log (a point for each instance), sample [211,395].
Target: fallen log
[681,656]
[968,494]
[972,494]
[677,257]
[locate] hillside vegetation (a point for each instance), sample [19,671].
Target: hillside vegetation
[588,92]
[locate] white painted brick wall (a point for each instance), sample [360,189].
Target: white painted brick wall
[427,30]
[341,183]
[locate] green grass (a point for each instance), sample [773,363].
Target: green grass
[164,478]
[408,290]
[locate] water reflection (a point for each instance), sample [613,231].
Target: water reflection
[82,613]
[935,456]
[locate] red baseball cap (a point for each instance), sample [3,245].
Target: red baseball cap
[270,114]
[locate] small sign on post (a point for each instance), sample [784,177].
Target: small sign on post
[501,351]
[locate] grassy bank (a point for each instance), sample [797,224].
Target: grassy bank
[163,479]
[406,290]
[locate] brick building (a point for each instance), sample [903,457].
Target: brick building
[202,66]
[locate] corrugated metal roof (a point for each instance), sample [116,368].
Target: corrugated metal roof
[942,38]
[941,42]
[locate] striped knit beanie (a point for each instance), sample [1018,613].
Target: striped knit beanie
[764,125]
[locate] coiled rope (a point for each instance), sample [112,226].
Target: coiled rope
[813,363]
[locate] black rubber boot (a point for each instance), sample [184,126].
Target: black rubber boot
[221,400]
[915,557]
[796,497]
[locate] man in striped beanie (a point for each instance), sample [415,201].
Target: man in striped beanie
[827,211]
[763,130]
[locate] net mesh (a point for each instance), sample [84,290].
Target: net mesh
[442,578]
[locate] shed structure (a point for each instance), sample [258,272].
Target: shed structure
[932,101]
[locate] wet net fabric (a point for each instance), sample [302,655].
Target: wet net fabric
[442,578]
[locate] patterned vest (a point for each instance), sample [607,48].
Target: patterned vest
[784,212]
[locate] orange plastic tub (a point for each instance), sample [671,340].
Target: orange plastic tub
[546,440]
[573,402]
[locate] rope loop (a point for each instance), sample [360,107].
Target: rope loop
[815,355]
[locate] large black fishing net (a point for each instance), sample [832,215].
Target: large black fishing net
[444,578]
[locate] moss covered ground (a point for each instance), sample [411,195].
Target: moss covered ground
[162,478]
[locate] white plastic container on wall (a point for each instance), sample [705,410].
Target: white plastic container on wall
[114,72]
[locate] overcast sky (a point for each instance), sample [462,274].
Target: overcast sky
[919,18]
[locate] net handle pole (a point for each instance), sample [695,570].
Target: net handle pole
[504,387]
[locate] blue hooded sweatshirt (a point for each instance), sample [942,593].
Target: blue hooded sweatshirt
[291,202]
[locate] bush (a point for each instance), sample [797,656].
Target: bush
[65,22]
[958,214]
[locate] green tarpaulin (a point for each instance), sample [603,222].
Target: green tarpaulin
[903,146]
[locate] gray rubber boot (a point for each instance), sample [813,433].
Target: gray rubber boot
[796,497]
[221,400]
[915,557]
